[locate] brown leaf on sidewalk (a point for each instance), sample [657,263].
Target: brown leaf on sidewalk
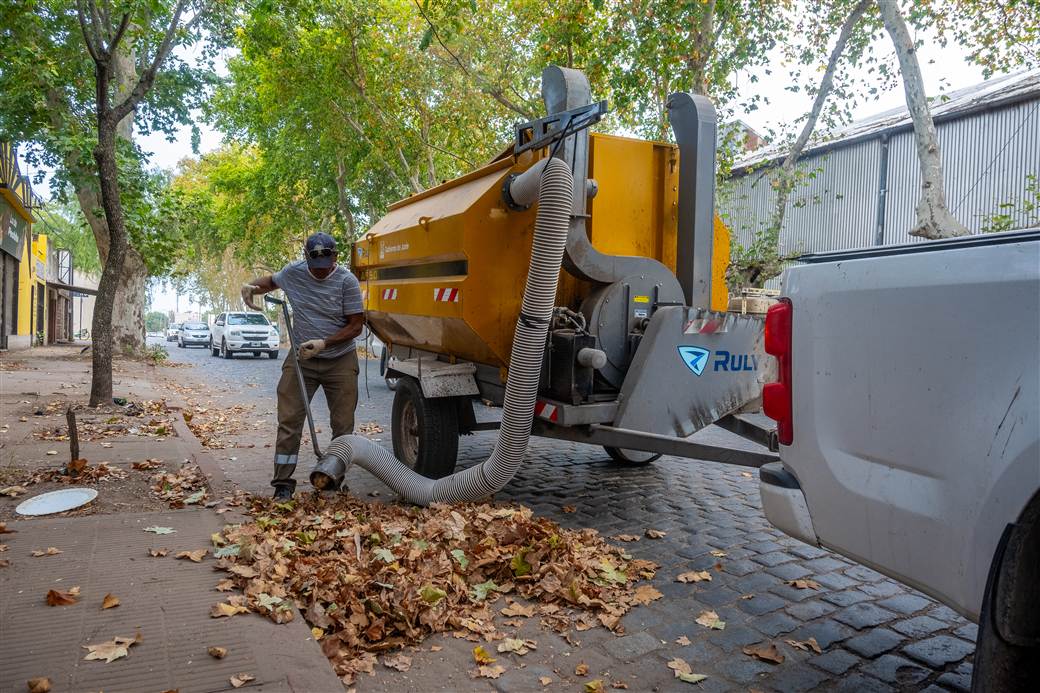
[5,530]
[582,669]
[400,662]
[488,671]
[217,652]
[150,463]
[49,551]
[806,645]
[718,553]
[625,537]
[804,584]
[619,685]
[594,686]
[517,645]
[655,533]
[116,648]
[544,680]
[13,491]
[568,509]
[4,563]
[40,684]
[158,553]
[710,619]
[193,556]
[110,601]
[645,594]
[242,678]
[60,598]
[694,576]
[518,609]
[684,672]
[225,586]
[767,652]
[224,609]
[682,641]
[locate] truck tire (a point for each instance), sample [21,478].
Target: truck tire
[425,431]
[1007,652]
[631,458]
[214,351]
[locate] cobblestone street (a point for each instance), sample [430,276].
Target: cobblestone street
[874,633]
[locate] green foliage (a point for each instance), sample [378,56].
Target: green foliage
[157,354]
[155,321]
[1016,213]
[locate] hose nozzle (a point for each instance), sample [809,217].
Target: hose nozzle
[328,474]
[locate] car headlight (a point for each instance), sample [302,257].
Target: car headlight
[235,333]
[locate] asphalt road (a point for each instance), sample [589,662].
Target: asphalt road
[875,634]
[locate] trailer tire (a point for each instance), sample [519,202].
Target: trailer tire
[425,432]
[1007,651]
[631,458]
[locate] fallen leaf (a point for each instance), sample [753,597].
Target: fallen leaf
[432,595]
[195,497]
[747,475]
[488,671]
[52,452]
[655,533]
[518,609]
[567,509]
[50,551]
[243,571]
[193,556]
[4,563]
[682,640]
[5,530]
[767,652]
[804,584]
[110,601]
[160,530]
[710,619]
[684,672]
[694,576]
[242,678]
[645,594]
[225,586]
[594,686]
[625,537]
[581,670]
[12,492]
[718,554]
[481,656]
[217,652]
[400,662]
[435,648]
[104,445]
[317,633]
[158,553]
[60,598]
[41,684]
[544,680]
[116,648]
[517,645]
[225,609]
[620,685]
[806,645]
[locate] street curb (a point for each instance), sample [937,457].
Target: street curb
[199,453]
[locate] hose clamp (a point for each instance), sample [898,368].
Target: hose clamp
[507,197]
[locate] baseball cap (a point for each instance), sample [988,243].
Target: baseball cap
[320,250]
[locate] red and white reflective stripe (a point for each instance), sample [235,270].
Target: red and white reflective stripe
[389,294]
[447,295]
[544,410]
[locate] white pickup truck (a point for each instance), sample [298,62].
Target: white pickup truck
[908,416]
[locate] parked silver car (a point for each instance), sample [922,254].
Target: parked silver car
[193,334]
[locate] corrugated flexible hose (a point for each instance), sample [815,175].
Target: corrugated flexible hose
[555,193]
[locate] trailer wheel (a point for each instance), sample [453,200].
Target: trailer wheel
[634,458]
[425,431]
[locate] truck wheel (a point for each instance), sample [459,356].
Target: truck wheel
[214,351]
[272,354]
[632,458]
[425,431]
[224,351]
[1007,652]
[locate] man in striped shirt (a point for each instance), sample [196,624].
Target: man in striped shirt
[327,316]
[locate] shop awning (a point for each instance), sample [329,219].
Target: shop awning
[69,287]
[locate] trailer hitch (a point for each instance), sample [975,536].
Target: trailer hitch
[553,129]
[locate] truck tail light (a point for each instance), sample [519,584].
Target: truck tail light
[776,397]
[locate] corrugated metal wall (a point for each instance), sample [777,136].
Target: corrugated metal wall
[986,158]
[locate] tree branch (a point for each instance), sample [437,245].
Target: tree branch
[86,34]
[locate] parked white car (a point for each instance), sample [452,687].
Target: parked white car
[193,334]
[243,332]
[172,330]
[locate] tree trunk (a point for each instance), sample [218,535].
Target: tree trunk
[702,48]
[785,175]
[108,173]
[128,316]
[934,219]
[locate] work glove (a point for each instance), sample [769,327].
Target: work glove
[311,348]
[248,291]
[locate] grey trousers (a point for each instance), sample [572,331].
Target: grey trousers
[338,378]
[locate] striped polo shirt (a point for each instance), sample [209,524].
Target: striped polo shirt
[320,306]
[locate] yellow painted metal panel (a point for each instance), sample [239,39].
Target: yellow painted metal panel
[719,264]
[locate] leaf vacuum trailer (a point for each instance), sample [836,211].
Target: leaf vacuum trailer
[578,281]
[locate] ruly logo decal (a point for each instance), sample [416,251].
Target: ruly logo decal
[695,358]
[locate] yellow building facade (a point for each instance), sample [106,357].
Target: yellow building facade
[23,260]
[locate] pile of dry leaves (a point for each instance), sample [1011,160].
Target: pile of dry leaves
[77,472]
[371,577]
[149,418]
[213,426]
[186,486]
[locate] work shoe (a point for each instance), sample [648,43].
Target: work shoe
[283,493]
